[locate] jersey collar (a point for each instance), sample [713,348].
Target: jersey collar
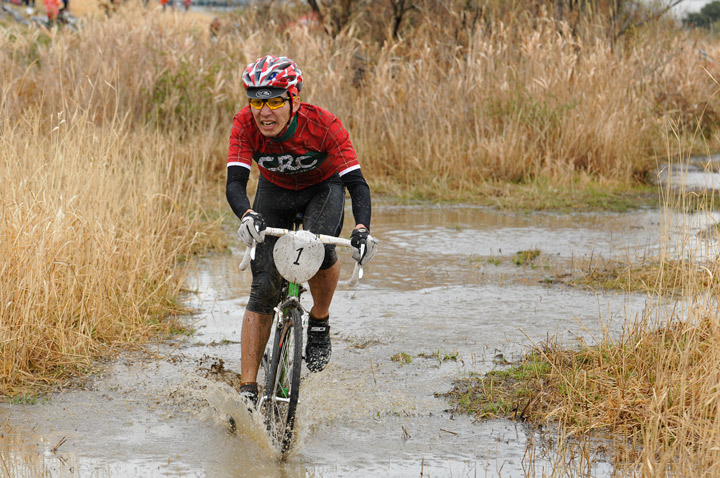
[289,131]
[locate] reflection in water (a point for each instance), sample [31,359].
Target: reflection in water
[434,292]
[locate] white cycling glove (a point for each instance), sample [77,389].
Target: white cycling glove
[364,246]
[252,228]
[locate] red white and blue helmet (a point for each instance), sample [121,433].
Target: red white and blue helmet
[271,76]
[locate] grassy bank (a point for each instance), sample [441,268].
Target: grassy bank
[654,389]
[95,223]
[113,141]
[653,386]
[99,209]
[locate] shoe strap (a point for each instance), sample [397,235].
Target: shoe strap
[319,327]
[251,387]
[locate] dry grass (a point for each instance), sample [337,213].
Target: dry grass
[113,141]
[654,386]
[94,224]
[444,115]
[665,277]
[98,212]
[655,389]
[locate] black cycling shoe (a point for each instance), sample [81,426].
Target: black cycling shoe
[249,393]
[318,348]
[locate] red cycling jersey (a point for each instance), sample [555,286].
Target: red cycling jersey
[313,148]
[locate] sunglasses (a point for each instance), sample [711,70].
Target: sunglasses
[273,103]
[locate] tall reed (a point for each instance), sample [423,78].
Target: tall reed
[113,141]
[443,113]
[449,113]
[98,210]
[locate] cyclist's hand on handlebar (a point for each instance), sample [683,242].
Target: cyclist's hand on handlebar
[364,246]
[252,227]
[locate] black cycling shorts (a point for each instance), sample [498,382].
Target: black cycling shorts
[323,208]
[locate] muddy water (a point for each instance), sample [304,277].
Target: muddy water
[443,289]
[696,174]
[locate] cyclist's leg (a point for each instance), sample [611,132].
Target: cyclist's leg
[255,334]
[322,289]
[266,285]
[324,214]
[318,348]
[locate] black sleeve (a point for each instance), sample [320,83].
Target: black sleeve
[359,191]
[236,189]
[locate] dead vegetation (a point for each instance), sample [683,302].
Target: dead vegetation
[113,142]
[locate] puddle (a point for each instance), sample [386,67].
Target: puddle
[433,292]
[697,174]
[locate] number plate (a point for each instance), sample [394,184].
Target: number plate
[298,255]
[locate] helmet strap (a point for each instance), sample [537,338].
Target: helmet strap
[290,96]
[287,131]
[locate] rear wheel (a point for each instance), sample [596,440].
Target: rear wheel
[283,381]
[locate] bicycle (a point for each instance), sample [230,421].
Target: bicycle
[298,255]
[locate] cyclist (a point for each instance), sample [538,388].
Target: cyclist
[306,161]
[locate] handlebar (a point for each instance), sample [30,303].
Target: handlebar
[249,254]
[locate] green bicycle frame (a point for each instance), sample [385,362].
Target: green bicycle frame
[293,291]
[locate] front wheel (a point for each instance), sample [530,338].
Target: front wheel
[283,381]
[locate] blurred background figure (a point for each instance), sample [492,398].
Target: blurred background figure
[214,28]
[52,8]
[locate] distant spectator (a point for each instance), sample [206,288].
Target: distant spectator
[52,8]
[311,21]
[214,28]
[166,3]
[187,4]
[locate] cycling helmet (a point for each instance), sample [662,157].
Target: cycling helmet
[271,76]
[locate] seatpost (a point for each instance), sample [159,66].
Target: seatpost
[297,221]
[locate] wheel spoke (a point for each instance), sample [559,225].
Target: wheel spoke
[284,381]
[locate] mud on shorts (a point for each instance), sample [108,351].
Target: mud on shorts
[323,208]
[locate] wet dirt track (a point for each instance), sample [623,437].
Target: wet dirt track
[443,289]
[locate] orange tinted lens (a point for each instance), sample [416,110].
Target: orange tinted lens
[275,103]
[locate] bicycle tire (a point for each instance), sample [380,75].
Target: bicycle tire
[283,382]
